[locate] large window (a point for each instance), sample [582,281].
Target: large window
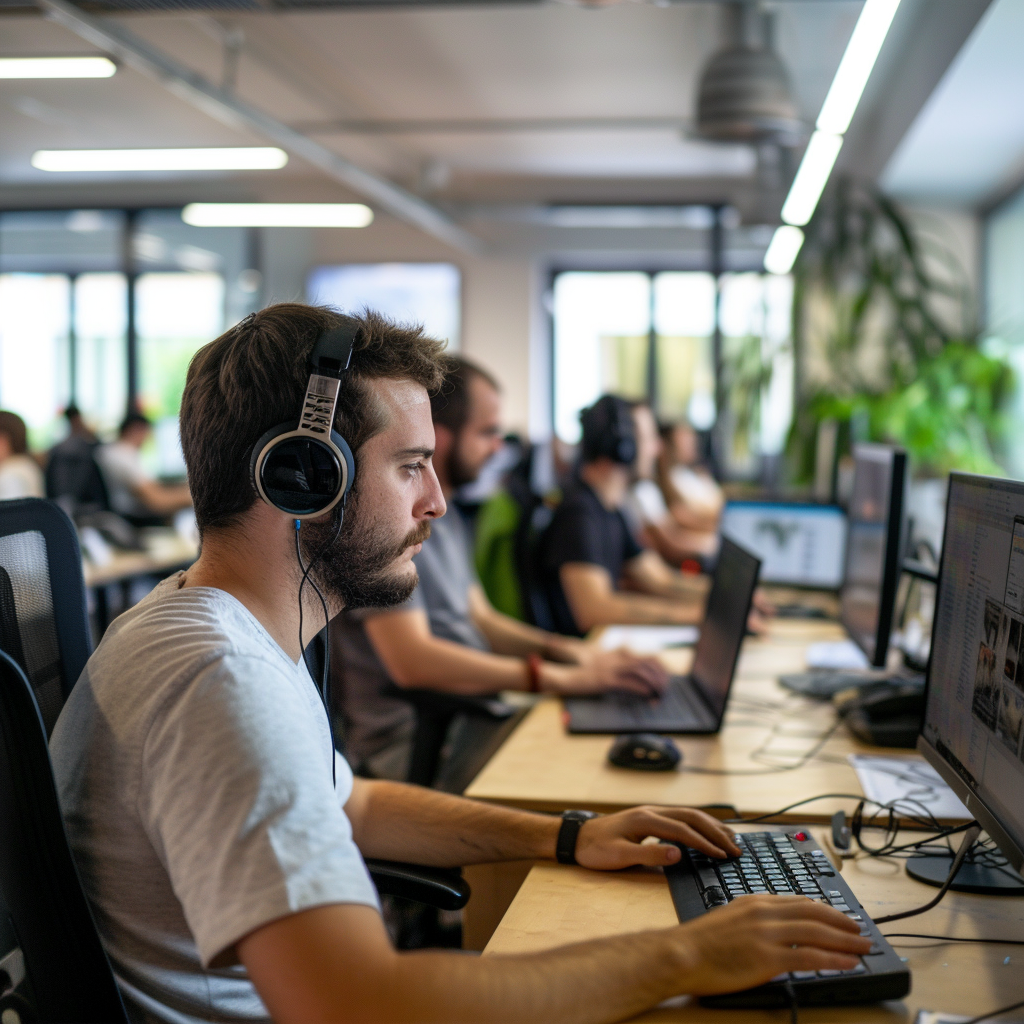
[651,336]
[66,333]
[422,293]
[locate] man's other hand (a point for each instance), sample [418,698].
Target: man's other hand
[616,841]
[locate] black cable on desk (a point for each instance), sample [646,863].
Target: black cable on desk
[953,938]
[969,839]
[995,1013]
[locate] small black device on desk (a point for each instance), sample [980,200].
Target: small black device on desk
[788,860]
[884,714]
[645,752]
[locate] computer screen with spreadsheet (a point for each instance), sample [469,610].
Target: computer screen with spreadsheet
[799,545]
[974,716]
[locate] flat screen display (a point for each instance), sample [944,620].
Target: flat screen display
[873,547]
[974,713]
[799,545]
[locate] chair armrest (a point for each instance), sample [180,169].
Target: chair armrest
[442,888]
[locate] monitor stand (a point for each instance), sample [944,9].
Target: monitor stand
[975,877]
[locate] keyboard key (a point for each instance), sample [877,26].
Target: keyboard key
[829,973]
[804,975]
[840,906]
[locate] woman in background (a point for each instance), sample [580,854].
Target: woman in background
[692,494]
[20,475]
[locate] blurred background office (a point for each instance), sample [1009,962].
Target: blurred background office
[786,225]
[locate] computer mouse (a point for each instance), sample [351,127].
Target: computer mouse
[645,752]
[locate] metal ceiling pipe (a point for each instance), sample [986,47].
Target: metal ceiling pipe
[116,40]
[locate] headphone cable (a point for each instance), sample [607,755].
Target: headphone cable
[325,678]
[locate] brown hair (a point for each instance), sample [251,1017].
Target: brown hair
[253,377]
[13,426]
[449,405]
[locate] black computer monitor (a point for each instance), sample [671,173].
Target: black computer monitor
[874,547]
[974,698]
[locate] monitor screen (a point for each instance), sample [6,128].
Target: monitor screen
[799,545]
[974,709]
[873,547]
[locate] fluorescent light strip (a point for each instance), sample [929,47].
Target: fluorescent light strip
[259,158]
[855,68]
[783,249]
[56,67]
[836,114]
[809,183]
[277,215]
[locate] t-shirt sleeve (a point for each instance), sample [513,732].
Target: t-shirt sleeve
[575,535]
[237,798]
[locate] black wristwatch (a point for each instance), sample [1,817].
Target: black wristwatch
[572,822]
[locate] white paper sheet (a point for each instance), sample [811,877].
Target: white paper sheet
[909,779]
[837,654]
[933,1017]
[648,639]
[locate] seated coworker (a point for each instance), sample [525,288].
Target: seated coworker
[448,636]
[133,492]
[646,509]
[194,764]
[589,554]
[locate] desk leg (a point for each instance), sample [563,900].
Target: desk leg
[102,610]
[494,888]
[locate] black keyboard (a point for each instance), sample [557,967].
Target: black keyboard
[677,702]
[788,861]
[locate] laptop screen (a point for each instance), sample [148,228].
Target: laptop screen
[799,545]
[725,624]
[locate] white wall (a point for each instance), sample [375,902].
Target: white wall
[502,328]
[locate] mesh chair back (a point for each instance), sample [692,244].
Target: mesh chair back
[43,622]
[50,952]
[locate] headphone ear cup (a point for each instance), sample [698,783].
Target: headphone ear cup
[350,463]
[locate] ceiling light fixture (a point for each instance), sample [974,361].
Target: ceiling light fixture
[277,215]
[257,158]
[855,67]
[783,249]
[819,158]
[56,67]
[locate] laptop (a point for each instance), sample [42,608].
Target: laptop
[693,703]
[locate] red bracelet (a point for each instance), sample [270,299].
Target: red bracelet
[533,664]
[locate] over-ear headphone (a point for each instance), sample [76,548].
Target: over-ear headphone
[608,430]
[306,470]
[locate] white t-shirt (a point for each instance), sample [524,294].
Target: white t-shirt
[123,471]
[695,488]
[193,766]
[20,477]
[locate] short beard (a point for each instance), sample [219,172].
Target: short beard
[460,474]
[358,569]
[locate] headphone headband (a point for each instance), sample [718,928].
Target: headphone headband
[333,350]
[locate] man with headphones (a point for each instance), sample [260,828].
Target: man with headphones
[219,835]
[589,551]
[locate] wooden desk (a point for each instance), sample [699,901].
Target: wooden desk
[558,905]
[541,767]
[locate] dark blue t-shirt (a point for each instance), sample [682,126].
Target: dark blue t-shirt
[582,530]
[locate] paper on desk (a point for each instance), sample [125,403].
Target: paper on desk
[647,639]
[909,779]
[837,654]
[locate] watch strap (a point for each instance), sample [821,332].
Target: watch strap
[565,846]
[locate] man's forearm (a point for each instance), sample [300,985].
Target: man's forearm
[400,822]
[625,607]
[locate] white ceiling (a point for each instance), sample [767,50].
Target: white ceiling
[966,146]
[632,62]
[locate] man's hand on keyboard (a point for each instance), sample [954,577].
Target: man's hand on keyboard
[616,841]
[604,671]
[755,938]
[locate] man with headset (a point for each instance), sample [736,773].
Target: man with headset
[588,552]
[217,832]
[448,637]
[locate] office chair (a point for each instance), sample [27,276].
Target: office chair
[52,964]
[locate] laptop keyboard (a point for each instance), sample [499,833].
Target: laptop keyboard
[677,702]
[790,862]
